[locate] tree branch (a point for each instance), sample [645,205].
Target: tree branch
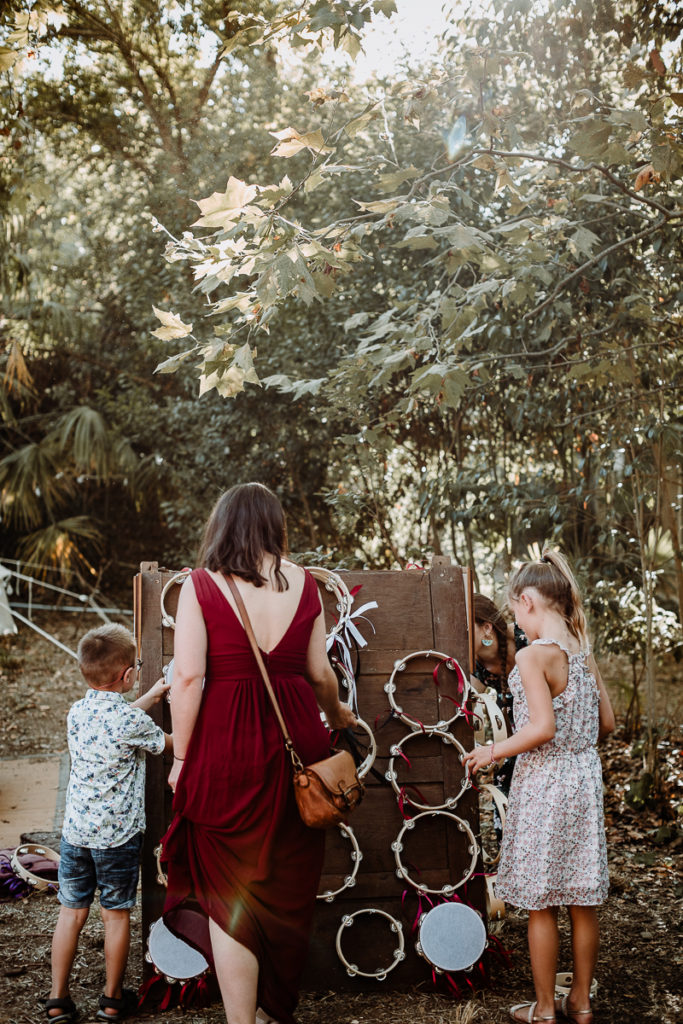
[630,239]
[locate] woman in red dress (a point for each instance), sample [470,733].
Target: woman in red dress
[236,844]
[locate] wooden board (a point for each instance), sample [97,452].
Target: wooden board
[416,611]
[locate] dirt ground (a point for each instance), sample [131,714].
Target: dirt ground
[640,970]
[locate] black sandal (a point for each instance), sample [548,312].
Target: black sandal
[67,1005]
[125,1006]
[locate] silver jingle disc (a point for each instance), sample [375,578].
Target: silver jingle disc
[452,937]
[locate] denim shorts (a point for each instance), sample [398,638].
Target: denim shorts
[114,871]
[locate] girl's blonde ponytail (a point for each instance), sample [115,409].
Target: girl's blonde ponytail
[554,580]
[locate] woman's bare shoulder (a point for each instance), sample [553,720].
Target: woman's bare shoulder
[291,569]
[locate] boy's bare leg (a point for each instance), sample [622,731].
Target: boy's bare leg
[64,945]
[116,947]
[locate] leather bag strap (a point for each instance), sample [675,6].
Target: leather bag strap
[246,622]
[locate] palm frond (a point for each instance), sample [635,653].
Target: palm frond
[92,445]
[30,484]
[65,545]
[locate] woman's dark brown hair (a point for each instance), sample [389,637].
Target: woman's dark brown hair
[486,611]
[247,523]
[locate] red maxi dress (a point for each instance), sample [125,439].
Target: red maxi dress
[236,844]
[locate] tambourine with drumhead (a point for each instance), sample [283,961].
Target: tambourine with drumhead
[398,954]
[173,958]
[404,792]
[36,865]
[451,937]
[453,666]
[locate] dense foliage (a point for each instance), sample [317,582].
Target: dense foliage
[460,289]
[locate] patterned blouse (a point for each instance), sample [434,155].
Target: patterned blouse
[105,799]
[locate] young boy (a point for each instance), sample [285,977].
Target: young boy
[105,815]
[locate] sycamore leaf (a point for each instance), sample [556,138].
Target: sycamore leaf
[230,382]
[392,180]
[657,62]
[416,239]
[644,176]
[583,241]
[379,205]
[172,364]
[361,122]
[223,208]
[357,320]
[7,58]
[503,180]
[172,326]
[291,142]
[240,301]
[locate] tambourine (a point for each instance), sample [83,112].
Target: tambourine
[179,577]
[335,584]
[563,984]
[486,709]
[452,937]
[495,908]
[173,958]
[162,877]
[356,857]
[45,877]
[500,801]
[167,673]
[452,665]
[449,888]
[401,791]
[398,954]
[369,759]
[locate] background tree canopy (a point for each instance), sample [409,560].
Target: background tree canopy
[459,289]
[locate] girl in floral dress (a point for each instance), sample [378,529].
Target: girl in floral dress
[554,851]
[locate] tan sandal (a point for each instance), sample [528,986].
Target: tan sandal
[529,1018]
[576,1016]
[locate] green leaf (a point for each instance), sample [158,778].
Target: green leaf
[583,241]
[391,181]
[592,142]
[361,122]
[172,364]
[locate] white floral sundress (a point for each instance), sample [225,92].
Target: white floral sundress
[554,851]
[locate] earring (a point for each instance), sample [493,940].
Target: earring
[487,641]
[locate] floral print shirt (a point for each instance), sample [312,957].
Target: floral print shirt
[105,799]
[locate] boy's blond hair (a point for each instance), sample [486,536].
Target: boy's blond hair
[105,652]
